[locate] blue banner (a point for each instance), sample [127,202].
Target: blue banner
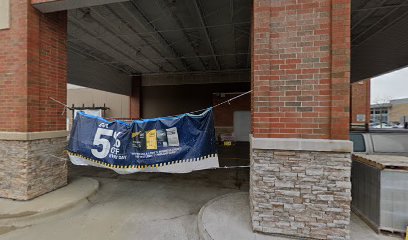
[173,144]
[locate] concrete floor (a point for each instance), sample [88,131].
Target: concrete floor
[138,206]
[220,220]
[142,206]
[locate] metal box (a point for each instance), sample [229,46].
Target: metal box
[380,196]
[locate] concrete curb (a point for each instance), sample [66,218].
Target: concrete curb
[20,219]
[202,232]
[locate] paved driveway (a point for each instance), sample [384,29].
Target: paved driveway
[138,206]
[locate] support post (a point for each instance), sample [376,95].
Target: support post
[136,98]
[32,127]
[300,152]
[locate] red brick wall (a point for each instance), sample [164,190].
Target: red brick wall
[32,69]
[13,69]
[300,69]
[360,100]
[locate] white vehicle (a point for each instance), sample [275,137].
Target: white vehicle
[383,126]
[390,142]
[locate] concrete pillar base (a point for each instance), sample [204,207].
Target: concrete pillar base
[30,168]
[301,187]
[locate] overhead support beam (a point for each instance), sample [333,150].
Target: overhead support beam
[60,5]
[360,20]
[112,29]
[166,7]
[203,23]
[146,48]
[382,52]
[111,50]
[385,27]
[374,24]
[382,7]
[198,56]
[138,17]
[207,77]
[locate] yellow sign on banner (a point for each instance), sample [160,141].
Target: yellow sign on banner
[227,143]
[151,139]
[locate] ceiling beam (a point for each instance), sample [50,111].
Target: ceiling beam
[382,7]
[137,16]
[203,23]
[164,4]
[384,27]
[231,70]
[360,20]
[112,29]
[237,26]
[194,57]
[90,39]
[129,27]
[373,25]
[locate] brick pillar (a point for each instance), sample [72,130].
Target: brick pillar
[360,102]
[136,98]
[32,127]
[300,153]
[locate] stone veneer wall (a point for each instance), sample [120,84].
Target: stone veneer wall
[28,169]
[301,193]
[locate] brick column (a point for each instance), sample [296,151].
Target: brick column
[360,102]
[300,153]
[32,127]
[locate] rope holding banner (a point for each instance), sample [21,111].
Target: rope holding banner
[63,104]
[217,105]
[231,99]
[201,110]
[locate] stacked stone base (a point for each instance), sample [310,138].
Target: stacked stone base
[31,168]
[301,193]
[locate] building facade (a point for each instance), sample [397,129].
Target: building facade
[398,112]
[300,104]
[395,111]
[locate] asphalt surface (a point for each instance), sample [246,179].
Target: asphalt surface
[138,206]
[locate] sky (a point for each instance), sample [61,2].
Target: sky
[389,86]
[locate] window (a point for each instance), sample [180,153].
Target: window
[358,142]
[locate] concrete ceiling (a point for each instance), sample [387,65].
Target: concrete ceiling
[163,36]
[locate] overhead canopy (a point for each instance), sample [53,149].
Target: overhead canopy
[161,36]
[379,37]
[156,36]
